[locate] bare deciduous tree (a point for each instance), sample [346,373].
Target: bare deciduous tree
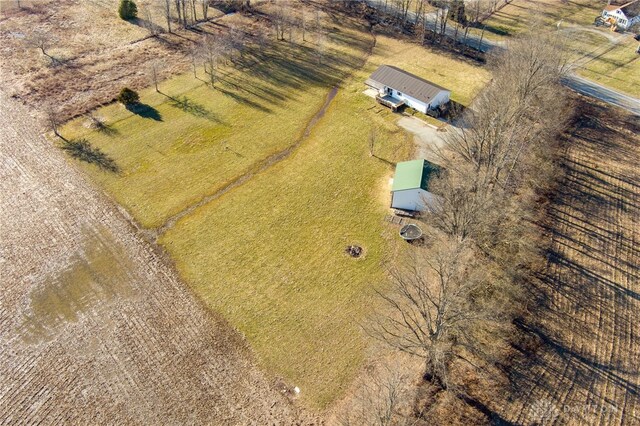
[155,68]
[167,13]
[378,400]
[205,8]
[54,119]
[373,135]
[147,21]
[321,46]
[178,6]
[513,112]
[211,51]
[181,10]
[42,41]
[194,14]
[303,24]
[282,18]
[461,205]
[432,313]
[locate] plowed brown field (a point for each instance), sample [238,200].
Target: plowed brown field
[95,328]
[586,370]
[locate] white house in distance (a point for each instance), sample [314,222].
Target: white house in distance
[410,189]
[397,87]
[622,16]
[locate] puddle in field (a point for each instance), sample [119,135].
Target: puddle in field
[94,278]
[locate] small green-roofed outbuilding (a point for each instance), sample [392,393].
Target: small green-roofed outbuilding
[410,189]
[413,174]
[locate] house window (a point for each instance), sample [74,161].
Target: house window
[399,93]
[623,21]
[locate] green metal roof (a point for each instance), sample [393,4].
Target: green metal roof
[413,175]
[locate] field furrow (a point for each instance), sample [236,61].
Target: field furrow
[586,369]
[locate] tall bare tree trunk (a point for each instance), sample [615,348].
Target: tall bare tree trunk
[167,13]
[481,37]
[183,4]
[435,27]
[205,9]
[179,9]
[193,11]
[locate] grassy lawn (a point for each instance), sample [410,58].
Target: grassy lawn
[519,15]
[583,46]
[617,67]
[270,254]
[191,140]
[597,57]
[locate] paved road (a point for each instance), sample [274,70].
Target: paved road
[595,90]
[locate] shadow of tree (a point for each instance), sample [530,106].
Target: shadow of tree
[145,111]
[107,130]
[99,125]
[193,108]
[82,150]
[153,28]
[587,296]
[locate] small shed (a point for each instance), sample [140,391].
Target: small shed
[397,87]
[410,189]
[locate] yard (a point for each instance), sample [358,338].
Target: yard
[520,15]
[618,67]
[191,140]
[598,54]
[269,254]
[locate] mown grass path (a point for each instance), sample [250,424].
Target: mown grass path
[258,168]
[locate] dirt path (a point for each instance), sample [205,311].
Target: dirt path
[95,327]
[587,369]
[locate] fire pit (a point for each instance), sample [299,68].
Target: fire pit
[354,251]
[410,232]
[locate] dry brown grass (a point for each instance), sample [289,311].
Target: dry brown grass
[578,362]
[99,52]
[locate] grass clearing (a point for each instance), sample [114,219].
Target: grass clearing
[584,45]
[270,255]
[520,15]
[191,140]
[604,57]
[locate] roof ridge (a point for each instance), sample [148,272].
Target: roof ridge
[419,78]
[627,4]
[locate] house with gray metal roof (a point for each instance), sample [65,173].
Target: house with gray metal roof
[397,88]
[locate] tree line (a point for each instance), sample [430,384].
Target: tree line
[453,302]
[429,20]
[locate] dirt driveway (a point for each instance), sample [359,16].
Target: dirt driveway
[96,328]
[426,137]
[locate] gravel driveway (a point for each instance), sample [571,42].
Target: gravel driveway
[426,137]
